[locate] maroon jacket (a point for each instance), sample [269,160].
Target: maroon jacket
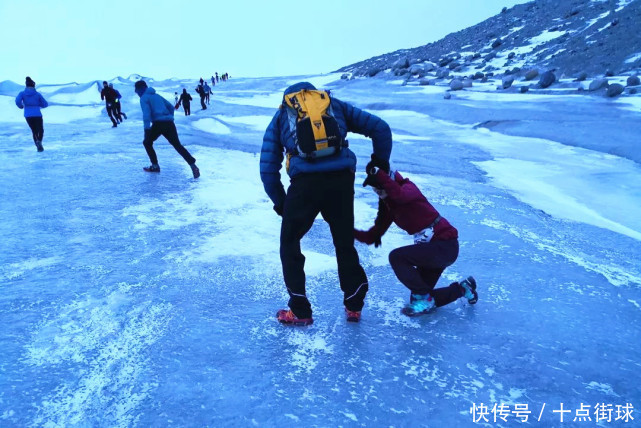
[406,206]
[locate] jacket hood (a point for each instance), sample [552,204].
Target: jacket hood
[297,87]
[150,90]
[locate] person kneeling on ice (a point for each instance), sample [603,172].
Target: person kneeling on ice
[158,119]
[417,266]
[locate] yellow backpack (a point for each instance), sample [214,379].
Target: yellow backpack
[316,129]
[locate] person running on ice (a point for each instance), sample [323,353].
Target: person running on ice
[158,119]
[420,265]
[185,99]
[32,101]
[109,95]
[118,105]
[208,92]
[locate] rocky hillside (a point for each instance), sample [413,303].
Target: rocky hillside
[575,38]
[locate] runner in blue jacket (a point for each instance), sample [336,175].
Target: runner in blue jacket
[158,119]
[322,185]
[32,101]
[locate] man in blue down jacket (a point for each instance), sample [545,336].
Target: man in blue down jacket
[158,119]
[323,185]
[32,101]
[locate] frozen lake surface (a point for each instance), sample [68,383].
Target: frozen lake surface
[133,299]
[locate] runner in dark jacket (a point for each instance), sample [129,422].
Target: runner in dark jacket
[185,99]
[420,265]
[109,96]
[117,106]
[31,101]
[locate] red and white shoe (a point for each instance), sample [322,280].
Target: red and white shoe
[353,316]
[286,316]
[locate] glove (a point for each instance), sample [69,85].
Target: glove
[377,162]
[377,242]
[372,180]
[278,209]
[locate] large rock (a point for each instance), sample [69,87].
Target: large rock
[497,43]
[442,73]
[581,77]
[467,82]
[633,81]
[478,75]
[532,74]
[614,90]
[597,84]
[429,66]
[373,71]
[344,76]
[524,89]
[547,79]
[401,63]
[507,81]
[424,82]
[447,96]
[456,85]
[417,69]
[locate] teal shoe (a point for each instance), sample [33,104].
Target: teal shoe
[420,304]
[469,290]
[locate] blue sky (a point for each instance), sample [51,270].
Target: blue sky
[73,40]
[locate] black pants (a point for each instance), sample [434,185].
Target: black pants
[207,98]
[118,111]
[168,130]
[37,127]
[420,266]
[202,102]
[112,113]
[332,195]
[187,108]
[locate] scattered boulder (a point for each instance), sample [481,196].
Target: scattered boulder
[504,9]
[597,84]
[447,96]
[467,82]
[614,90]
[442,73]
[452,65]
[344,76]
[532,74]
[373,71]
[484,79]
[429,66]
[511,55]
[609,73]
[524,89]
[444,61]
[498,42]
[614,22]
[456,85]
[424,82]
[478,75]
[547,79]
[507,81]
[633,81]
[633,91]
[401,63]
[581,77]
[417,69]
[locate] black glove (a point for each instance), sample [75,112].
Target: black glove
[372,180]
[377,162]
[278,209]
[377,242]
